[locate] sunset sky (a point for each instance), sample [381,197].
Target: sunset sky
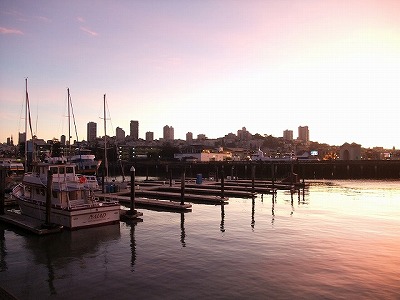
[205,66]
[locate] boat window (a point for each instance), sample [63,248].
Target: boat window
[37,191]
[70,169]
[62,170]
[73,195]
[53,170]
[42,192]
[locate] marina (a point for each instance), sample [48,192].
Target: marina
[330,245]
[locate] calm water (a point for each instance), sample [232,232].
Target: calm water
[341,241]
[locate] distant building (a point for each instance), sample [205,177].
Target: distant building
[120,134]
[243,134]
[134,130]
[350,151]
[62,140]
[288,135]
[199,153]
[201,137]
[168,133]
[304,134]
[91,131]
[189,137]
[21,137]
[149,136]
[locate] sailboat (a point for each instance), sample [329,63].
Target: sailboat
[86,162]
[72,203]
[111,186]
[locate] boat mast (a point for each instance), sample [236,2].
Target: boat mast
[69,123]
[105,138]
[26,125]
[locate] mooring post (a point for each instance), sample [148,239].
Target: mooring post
[253,175]
[48,196]
[183,187]
[133,184]
[273,175]
[170,177]
[2,189]
[222,183]
[102,182]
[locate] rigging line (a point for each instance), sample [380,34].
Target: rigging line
[73,118]
[29,113]
[20,115]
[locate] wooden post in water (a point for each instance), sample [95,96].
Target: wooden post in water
[253,175]
[273,175]
[170,177]
[48,196]
[222,183]
[133,184]
[102,181]
[2,189]
[183,187]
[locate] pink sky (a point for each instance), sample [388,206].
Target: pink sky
[209,67]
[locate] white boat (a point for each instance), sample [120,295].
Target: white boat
[73,204]
[259,156]
[86,162]
[12,165]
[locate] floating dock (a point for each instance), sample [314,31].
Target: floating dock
[28,223]
[144,202]
[176,196]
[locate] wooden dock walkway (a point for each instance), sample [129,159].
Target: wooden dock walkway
[28,223]
[207,190]
[144,202]
[265,184]
[176,196]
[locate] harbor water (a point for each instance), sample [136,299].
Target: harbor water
[334,240]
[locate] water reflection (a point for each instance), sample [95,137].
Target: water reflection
[222,224]
[253,205]
[3,251]
[57,251]
[183,234]
[273,208]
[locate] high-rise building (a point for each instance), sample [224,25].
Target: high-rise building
[189,137]
[21,137]
[120,134]
[168,132]
[134,130]
[149,136]
[304,134]
[288,135]
[243,134]
[91,131]
[62,140]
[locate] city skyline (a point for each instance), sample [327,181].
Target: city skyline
[206,67]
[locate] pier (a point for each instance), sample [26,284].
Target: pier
[33,225]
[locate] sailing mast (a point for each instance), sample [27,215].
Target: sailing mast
[105,138]
[26,125]
[69,123]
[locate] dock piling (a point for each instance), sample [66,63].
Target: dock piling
[133,184]
[222,183]
[2,189]
[48,196]
[183,186]
[253,175]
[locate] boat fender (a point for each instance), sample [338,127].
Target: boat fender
[82,179]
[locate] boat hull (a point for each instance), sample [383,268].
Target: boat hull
[72,218]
